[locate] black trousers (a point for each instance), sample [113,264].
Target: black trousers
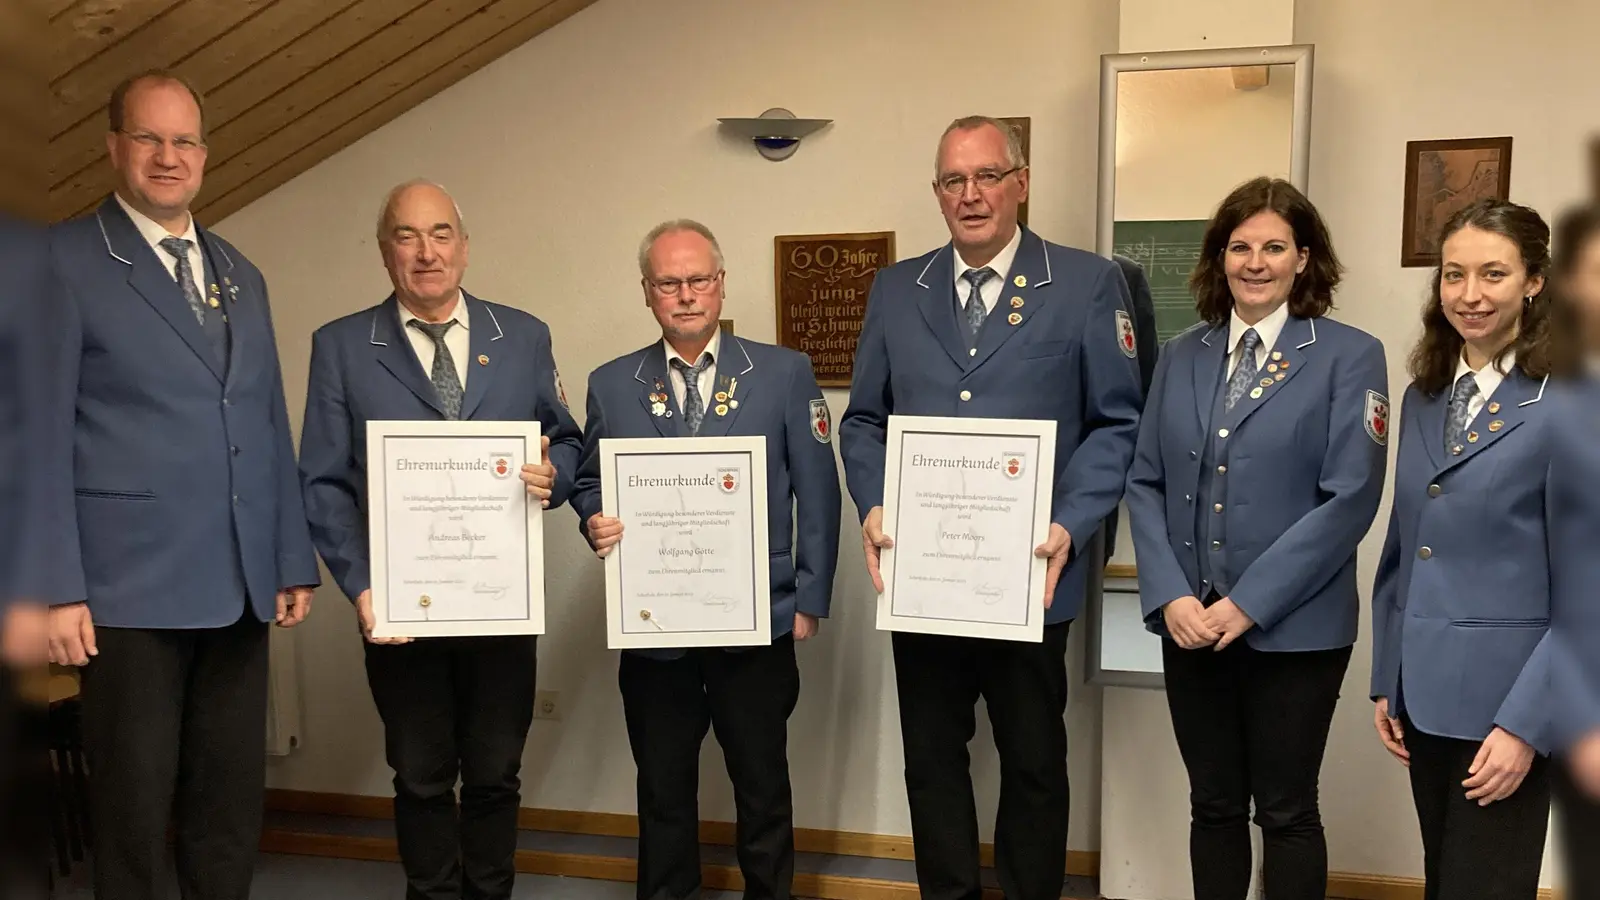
[456,708]
[1472,852]
[25,787]
[747,696]
[1250,726]
[939,680]
[1578,821]
[174,728]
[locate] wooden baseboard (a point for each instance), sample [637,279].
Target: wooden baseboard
[1351,886]
[1080,863]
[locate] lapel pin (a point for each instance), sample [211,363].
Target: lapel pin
[1278,377]
[1456,450]
[1014,318]
[1494,407]
[214,302]
[1277,354]
[1016,302]
[1496,425]
[1266,382]
[1020,281]
[483,359]
[1272,367]
[733,404]
[733,385]
[722,396]
[722,409]
[657,408]
[1255,393]
[1472,437]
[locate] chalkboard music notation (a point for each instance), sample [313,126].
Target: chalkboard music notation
[1167,251]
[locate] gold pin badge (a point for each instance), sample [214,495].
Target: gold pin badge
[1016,302]
[1277,354]
[1472,437]
[722,396]
[425,602]
[1266,382]
[733,404]
[1494,407]
[1255,393]
[1456,450]
[1014,318]
[722,409]
[1278,377]
[1020,281]
[1496,425]
[215,303]
[1272,367]
[483,359]
[644,614]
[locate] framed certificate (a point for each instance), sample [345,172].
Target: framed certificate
[966,502]
[457,543]
[692,567]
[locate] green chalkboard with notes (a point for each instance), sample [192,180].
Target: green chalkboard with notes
[1168,251]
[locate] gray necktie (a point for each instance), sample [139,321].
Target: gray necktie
[445,380]
[694,408]
[1245,372]
[1460,402]
[975,310]
[179,248]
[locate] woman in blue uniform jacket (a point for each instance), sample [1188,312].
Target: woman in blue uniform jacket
[1575,567]
[1259,466]
[1462,597]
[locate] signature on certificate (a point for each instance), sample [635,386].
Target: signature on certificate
[492,591]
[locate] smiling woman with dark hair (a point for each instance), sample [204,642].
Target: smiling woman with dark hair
[1258,471]
[1462,597]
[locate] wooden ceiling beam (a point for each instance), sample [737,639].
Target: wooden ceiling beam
[211,67]
[468,59]
[94,25]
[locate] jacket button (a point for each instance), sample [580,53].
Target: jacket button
[1216,545]
[1217,508]
[966,395]
[1222,470]
[1187,544]
[1193,455]
[1222,433]
[235,450]
[1425,553]
[1188,498]
[1434,490]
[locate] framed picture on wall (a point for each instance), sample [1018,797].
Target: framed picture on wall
[1023,125]
[1441,178]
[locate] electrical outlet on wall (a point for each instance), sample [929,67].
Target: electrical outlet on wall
[547,705]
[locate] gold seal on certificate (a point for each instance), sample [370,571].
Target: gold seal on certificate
[691,569]
[966,502]
[456,543]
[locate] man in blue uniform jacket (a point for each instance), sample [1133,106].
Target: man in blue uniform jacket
[732,386]
[184,524]
[455,706]
[996,324]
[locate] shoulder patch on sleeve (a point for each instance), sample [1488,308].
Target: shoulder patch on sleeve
[561,391]
[1125,338]
[821,421]
[1377,418]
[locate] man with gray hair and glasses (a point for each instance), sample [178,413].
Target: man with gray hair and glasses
[997,323]
[699,381]
[452,707]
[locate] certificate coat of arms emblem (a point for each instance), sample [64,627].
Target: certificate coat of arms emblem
[728,480]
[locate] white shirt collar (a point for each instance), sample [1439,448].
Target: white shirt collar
[460,313]
[1267,329]
[153,232]
[714,347]
[1488,377]
[1001,264]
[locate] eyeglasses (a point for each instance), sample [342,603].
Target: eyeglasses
[986,180]
[699,284]
[154,142]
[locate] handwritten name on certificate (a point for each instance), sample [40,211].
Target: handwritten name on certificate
[457,544]
[966,502]
[691,569]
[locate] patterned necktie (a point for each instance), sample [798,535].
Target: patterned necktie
[1460,402]
[975,310]
[179,248]
[445,380]
[1245,372]
[694,408]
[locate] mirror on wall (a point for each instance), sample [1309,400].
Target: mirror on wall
[1178,131]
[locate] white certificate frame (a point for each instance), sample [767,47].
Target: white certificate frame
[1040,438]
[518,441]
[618,635]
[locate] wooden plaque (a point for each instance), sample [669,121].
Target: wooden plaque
[822,285]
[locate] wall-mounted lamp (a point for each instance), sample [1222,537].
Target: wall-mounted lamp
[776,132]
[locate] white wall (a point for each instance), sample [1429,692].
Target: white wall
[564,152]
[562,155]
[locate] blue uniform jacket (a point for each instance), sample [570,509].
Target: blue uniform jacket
[1461,602]
[1069,358]
[779,400]
[186,504]
[1301,471]
[1574,563]
[363,368]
